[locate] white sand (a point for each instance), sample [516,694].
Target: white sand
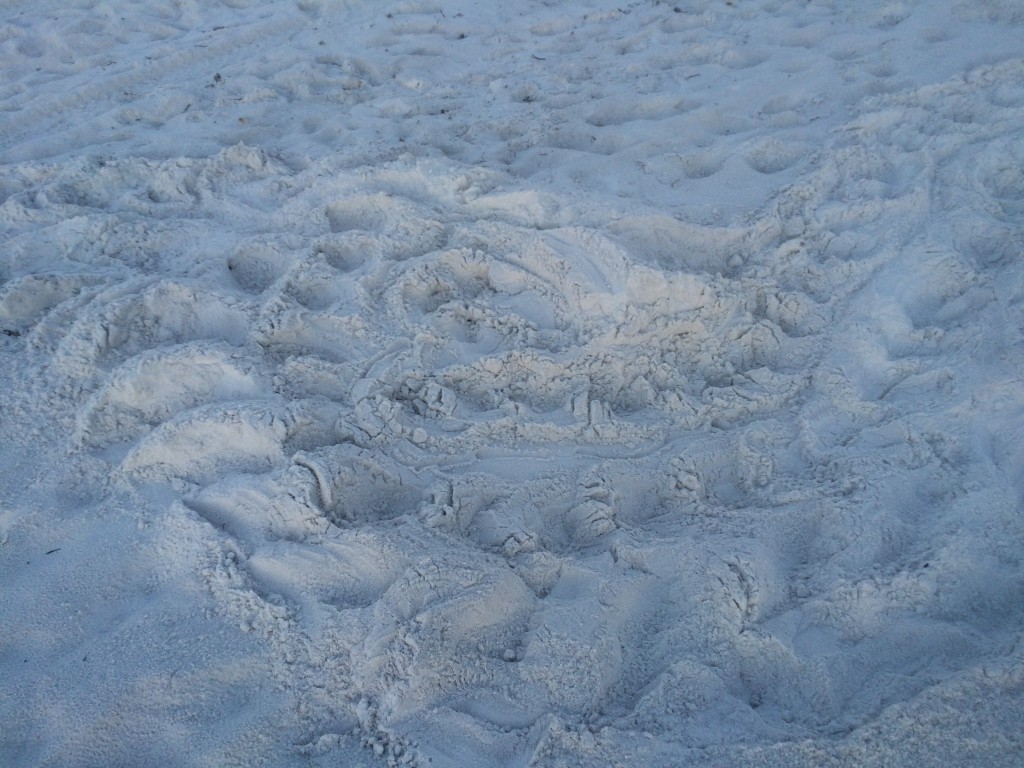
[473,384]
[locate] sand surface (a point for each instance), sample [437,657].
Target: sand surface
[547,384]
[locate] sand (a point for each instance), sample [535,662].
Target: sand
[541,384]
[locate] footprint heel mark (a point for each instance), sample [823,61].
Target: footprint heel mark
[772,155]
[700,165]
[360,487]
[344,252]
[364,213]
[256,266]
